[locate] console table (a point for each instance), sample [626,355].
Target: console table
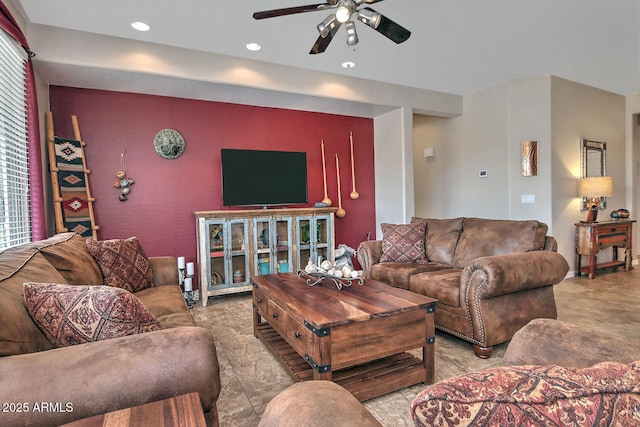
[592,237]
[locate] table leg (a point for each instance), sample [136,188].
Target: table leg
[428,351]
[593,261]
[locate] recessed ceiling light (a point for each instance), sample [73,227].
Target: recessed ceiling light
[348,64]
[140,26]
[254,47]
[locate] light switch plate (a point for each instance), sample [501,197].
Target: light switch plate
[528,198]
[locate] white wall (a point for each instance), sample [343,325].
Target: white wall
[393,142]
[633,161]
[580,111]
[489,134]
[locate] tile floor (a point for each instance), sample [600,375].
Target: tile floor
[251,376]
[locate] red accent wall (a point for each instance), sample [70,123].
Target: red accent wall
[160,206]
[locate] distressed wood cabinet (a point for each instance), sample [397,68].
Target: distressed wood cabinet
[233,245]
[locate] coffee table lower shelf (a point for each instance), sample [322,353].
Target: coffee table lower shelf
[364,381]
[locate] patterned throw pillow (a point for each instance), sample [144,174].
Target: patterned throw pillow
[77,314]
[123,263]
[606,394]
[403,243]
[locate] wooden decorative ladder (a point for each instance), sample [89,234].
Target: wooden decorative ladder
[72,201]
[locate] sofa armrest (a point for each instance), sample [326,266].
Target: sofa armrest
[369,253]
[553,342]
[550,244]
[104,376]
[165,270]
[497,275]
[316,403]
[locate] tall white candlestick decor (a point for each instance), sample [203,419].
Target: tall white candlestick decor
[186,280]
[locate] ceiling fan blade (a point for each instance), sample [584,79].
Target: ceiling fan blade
[390,29]
[323,42]
[291,10]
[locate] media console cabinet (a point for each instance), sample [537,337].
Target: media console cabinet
[236,244]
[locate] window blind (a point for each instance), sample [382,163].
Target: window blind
[15,227]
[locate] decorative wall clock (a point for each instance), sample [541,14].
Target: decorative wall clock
[169,144]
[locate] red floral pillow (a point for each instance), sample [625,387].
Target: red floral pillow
[123,263]
[77,314]
[403,242]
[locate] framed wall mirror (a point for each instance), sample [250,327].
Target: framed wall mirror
[594,162]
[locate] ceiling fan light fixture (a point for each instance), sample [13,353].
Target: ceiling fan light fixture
[343,14]
[325,27]
[369,17]
[352,35]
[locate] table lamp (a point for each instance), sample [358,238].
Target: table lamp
[594,188]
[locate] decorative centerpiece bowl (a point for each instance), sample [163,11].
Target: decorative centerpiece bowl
[320,276]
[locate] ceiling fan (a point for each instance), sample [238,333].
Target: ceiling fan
[345,11]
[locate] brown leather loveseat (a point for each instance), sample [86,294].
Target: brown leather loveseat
[42,385]
[491,277]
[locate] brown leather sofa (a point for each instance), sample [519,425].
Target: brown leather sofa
[491,277]
[88,379]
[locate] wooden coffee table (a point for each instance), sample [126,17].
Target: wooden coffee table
[357,337]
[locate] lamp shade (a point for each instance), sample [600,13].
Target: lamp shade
[597,186]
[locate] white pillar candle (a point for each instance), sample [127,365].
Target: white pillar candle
[181,262]
[188,284]
[190,269]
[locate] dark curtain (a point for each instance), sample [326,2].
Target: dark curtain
[38,223]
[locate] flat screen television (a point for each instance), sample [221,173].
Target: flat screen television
[263,178]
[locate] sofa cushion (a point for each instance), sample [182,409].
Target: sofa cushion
[167,304]
[441,238]
[605,394]
[69,254]
[487,237]
[70,315]
[443,285]
[403,242]
[398,274]
[123,263]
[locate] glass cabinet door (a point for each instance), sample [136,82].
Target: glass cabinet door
[272,243]
[228,254]
[282,254]
[237,253]
[303,235]
[262,237]
[323,245]
[314,239]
